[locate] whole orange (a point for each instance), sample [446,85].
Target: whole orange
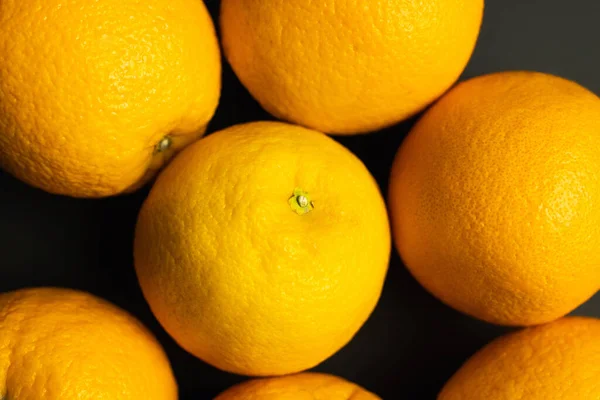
[348,67]
[495,198]
[96,95]
[557,361]
[59,344]
[262,249]
[306,386]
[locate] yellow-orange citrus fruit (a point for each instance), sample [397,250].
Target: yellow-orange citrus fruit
[262,249]
[60,344]
[348,67]
[556,361]
[495,198]
[96,95]
[306,386]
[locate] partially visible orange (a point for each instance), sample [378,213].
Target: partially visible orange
[59,344]
[95,96]
[495,198]
[557,361]
[262,248]
[348,67]
[306,386]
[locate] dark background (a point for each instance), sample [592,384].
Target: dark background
[412,343]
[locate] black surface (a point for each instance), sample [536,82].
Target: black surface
[412,343]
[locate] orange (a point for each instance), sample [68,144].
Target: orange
[348,67]
[262,249]
[557,361]
[96,95]
[59,344]
[306,386]
[495,198]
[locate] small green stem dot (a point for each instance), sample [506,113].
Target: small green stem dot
[300,202]
[164,144]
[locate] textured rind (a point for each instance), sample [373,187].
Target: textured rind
[59,344]
[495,198]
[88,88]
[348,67]
[306,386]
[557,361]
[241,280]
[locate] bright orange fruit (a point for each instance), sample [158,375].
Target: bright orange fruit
[495,198]
[96,95]
[306,386]
[59,344]
[262,249]
[557,361]
[348,66]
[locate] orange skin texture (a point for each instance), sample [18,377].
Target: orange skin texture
[89,88]
[495,198]
[241,280]
[347,67]
[59,344]
[306,386]
[557,361]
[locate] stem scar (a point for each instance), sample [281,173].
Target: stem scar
[300,202]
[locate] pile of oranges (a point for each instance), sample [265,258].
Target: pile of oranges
[263,248]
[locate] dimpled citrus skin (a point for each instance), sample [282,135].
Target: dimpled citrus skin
[89,88]
[348,67]
[306,386]
[495,198]
[557,361]
[60,344]
[239,278]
